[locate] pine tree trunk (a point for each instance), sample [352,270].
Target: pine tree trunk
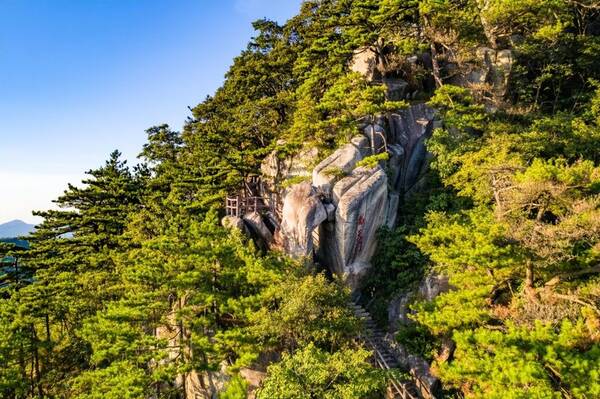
[529,281]
[435,66]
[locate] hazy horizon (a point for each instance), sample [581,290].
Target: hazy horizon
[79,80]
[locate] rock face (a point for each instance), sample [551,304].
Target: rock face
[495,70]
[397,89]
[348,243]
[378,66]
[340,163]
[398,308]
[334,217]
[258,229]
[302,213]
[490,76]
[276,168]
[365,62]
[408,131]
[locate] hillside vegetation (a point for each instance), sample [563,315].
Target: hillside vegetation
[140,293]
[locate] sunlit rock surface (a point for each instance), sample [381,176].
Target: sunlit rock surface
[348,243]
[334,217]
[303,211]
[340,163]
[278,168]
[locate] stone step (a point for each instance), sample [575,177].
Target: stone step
[376,337]
[378,341]
[391,363]
[408,390]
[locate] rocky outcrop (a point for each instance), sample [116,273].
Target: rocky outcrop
[397,89]
[365,61]
[255,223]
[279,167]
[339,164]
[234,222]
[348,243]
[409,128]
[337,214]
[254,378]
[487,74]
[303,211]
[495,69]
[430,287]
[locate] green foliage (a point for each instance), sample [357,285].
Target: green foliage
[313,373]
[397,267]
[372,160]
[521,258]
[295,180]
[310,310]
[524,362]
[136,284]
[72,255]
[236,389]
[119,380]
[464,121]
[417,340]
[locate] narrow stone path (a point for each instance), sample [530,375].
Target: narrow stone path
[399,388]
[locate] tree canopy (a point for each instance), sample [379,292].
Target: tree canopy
[137,291]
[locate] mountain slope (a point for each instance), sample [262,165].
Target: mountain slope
[15,228]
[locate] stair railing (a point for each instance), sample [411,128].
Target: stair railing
[397,385]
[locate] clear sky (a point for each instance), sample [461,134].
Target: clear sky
[79,79]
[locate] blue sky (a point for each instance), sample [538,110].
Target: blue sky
[79,79]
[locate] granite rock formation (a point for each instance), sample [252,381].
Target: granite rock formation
[336,216]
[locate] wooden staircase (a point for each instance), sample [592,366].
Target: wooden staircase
[374,338]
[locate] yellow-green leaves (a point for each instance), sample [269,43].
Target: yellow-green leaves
[313,373]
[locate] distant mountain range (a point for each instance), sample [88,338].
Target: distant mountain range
[15,228]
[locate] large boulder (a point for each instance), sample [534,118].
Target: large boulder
[277,168]
[338,214]
[302,212]
[494,69]
[397,89]
[348,244]
[234,223]
[430,287]
[340,163]
[258,229]
[365,62]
